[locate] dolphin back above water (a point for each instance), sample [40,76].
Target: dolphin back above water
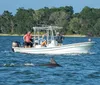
[52,63]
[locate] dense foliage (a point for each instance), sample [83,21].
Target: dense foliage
[87,22]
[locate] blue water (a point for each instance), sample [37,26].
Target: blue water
[81,69]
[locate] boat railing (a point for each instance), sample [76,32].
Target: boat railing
[49,34]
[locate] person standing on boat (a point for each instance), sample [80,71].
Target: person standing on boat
[28,40]
[59,39]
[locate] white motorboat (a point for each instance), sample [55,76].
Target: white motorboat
[52,47]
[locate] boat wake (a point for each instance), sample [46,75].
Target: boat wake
[5,51]
[16,65]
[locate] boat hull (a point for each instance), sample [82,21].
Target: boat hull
[76,48]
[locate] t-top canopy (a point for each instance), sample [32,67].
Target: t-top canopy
[47,28]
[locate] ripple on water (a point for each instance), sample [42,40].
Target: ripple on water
[94,75]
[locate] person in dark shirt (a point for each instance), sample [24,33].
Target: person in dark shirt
[59,39]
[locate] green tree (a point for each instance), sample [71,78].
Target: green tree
[74,26]
[24,20]
[6,22]
[96,29]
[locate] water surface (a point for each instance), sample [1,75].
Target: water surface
[81,69]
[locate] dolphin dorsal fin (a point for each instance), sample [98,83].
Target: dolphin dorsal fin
[52,61]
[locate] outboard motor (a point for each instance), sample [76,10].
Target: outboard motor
[15,44]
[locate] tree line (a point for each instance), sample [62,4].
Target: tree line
[87,22]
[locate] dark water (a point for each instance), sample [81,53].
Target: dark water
[81,69]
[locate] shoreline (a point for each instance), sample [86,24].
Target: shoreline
[10,35]
[74,35]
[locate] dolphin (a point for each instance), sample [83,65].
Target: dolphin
[52,63]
